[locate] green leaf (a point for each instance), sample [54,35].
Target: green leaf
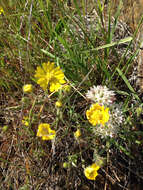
[122,41]
[127,83]
[48,53]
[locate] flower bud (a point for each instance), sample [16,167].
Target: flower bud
[5,128]
[27,88]
[58,104]
[66,165]
[77,134]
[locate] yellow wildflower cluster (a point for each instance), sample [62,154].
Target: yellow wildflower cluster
[49,76]
[45,132]
[91,171]
[97,114]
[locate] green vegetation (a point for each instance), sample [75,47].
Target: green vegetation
[86,107]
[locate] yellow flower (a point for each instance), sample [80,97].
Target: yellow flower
[27,88]
[97,114]
[77,134]
[58,104]
[49,76]
[45,132]
[1,10]
[91,171]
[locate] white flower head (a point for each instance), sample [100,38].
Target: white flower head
[112,127]
[101,95]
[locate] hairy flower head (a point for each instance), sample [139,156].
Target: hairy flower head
[45,132]
[101,95]
[49,76]
[97,114]
[91,171]
[113,125]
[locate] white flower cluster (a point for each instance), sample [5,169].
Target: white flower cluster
[103,96]
[113,126]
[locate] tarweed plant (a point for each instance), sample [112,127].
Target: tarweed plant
[79,114]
